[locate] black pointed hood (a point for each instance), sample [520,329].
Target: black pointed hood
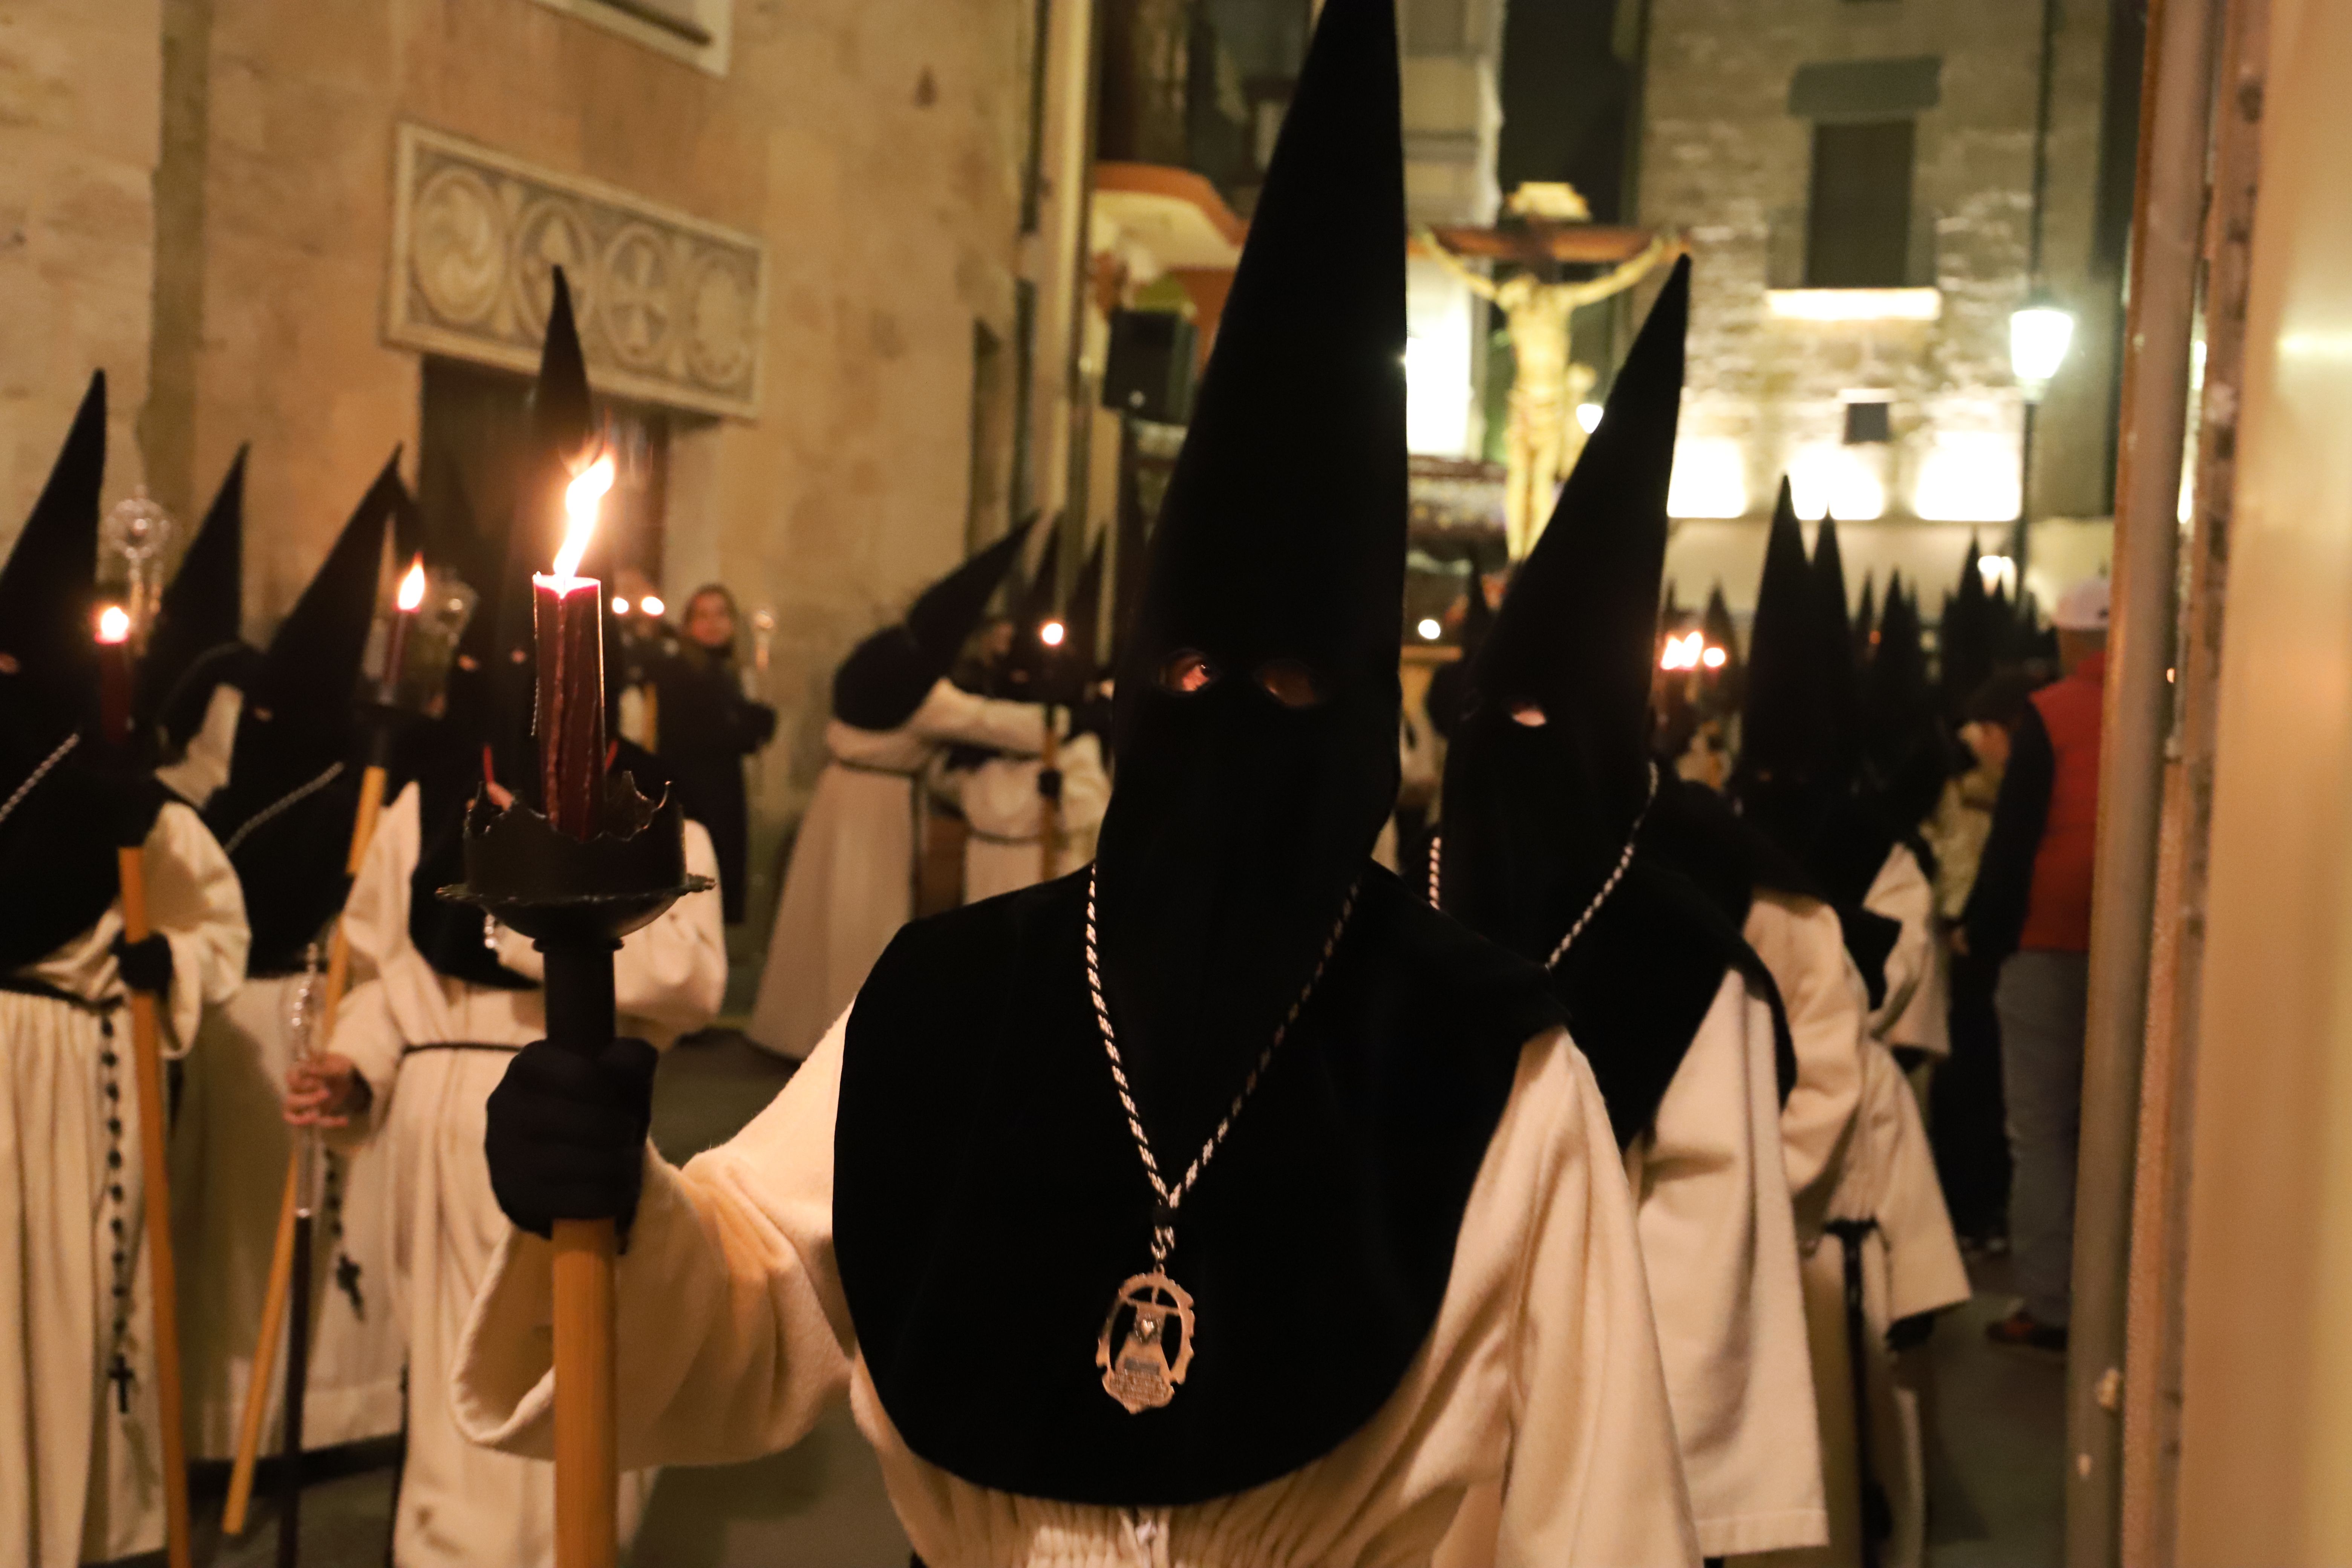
[1537,815]
[1833,631]
[886,677]
[48,587]
[1865,619]
[58,843]
[1084,642]
[1540,817]
[1964,640]
[1781,731]
[285,816]
[198,641]
[1238,824]
[1022,673]
[1724,687]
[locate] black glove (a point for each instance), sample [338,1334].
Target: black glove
[566,1134]
[1049,783]
[146,966]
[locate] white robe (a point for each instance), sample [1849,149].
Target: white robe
[204,767]
[851,884]
[1719,1242]
[459,1507]
[79,1479]
[230,1153]
[1915,1011]
[1855,1151]
[1000,800]
[1540,1371]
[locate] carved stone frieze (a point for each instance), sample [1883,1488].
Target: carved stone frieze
[670,308]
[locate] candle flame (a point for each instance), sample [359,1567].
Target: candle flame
[113,624]
[620,605]
[1683,652]
[651,604]
[1715,658]
[412,587]
[581,501]
[1052,633]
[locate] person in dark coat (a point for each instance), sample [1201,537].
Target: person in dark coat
[706,727]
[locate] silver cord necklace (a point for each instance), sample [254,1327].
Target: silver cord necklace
[1139,1373]
[37,774]
[1625,864]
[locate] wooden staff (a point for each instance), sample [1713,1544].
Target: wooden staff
[154,1110]
[580,1017]
[281,1258]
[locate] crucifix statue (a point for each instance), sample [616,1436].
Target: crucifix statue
[1544,437]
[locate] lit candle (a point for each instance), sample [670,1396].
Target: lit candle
[395,645]
[568,616]
[114,674]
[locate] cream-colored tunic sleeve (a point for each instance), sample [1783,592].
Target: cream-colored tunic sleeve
[194,903]
[1912,1013]
[1801,943]
[952,716]
[731,1331]
[1719,1243]
[1541,1372]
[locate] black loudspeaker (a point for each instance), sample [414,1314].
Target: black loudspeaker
[1150,371]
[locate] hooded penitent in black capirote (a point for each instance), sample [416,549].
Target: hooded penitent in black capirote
[989,1200]
[1020,675]
[492,691]
[1449,684]
[197,642]
[285,816]
[75,803]
[886,677]
[1539,815]
[1795,781]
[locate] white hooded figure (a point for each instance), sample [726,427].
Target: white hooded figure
[851,883]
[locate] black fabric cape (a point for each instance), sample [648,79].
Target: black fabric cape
[1637,985]
[989,1200]
[59,871]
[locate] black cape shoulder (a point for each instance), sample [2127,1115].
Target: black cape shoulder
[989,1201]
[58,863]
[1638,983]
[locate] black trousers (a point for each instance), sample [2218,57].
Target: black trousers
[1967,1122]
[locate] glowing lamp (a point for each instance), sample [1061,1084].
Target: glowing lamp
[1429,629]
[1052,633]
[2040,331]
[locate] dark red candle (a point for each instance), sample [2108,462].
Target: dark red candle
[114,674]
[568,619]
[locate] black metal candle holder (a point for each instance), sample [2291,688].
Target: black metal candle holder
[576,898]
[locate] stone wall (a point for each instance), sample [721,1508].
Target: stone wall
[1725,159]
[79,113]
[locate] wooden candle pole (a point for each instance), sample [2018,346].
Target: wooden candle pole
[147,1052]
